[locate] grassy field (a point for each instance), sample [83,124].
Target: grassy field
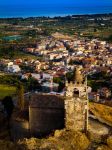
[102,111]
[23,55]
[6,90]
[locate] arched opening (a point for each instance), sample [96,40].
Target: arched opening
[76,92]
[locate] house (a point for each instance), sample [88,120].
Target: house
[18,61]
[13,68]
[50,87]
[26,76]
[94,96]
[104,92]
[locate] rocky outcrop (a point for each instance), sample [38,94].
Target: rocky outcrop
[65,140]
[108,145]
[109,142]
[62,140]
[97,131]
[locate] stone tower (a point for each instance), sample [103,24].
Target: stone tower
[76,103]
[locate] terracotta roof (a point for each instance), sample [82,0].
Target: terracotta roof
[47,101]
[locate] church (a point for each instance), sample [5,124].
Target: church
[50,112]
[47,113]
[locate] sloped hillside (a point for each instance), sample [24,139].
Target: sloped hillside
[62,140]
[102,112]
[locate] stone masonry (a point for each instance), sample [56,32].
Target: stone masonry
[76,103]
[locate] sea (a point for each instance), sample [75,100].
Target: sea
[50,11]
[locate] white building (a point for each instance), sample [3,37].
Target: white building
[13,68]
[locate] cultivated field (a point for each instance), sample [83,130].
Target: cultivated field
[6,90]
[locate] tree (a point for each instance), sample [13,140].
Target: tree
[70,76]
[61,86]
[20,97]
[33,84]
[8,106]
[61,83]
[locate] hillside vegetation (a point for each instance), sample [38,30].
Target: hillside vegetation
[6,90]
[102,112]
[62,140]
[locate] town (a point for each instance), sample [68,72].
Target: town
[58,78]
[58,58]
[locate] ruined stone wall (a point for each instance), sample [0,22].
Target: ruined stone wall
[44,121]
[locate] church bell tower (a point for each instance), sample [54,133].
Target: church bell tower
[76,103]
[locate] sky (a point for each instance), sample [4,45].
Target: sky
[57,2]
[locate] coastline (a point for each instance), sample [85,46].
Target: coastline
[57,16]
[51,11]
